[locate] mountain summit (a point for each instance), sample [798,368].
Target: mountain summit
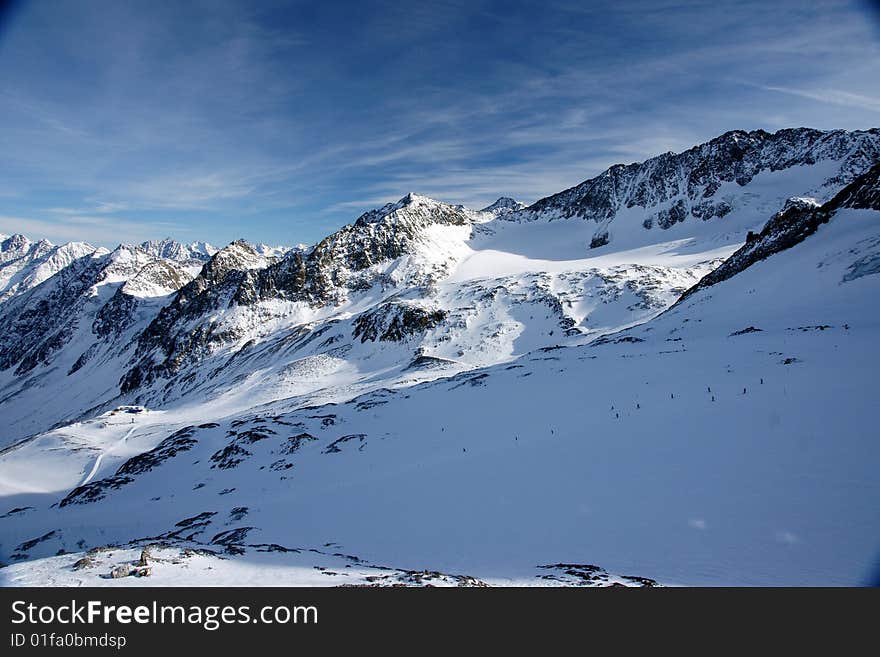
[503,205]
[712,180]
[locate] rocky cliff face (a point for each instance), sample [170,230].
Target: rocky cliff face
[800,218]
[38,323]
[703,182]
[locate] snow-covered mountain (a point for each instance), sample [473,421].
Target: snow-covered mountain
[473,396]
[504,205]
[274,252]
[82,324]
[169,249]
[733,176]
[25,264]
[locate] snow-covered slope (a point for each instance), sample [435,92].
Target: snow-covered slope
[798,219]
[273,252]
[443,389]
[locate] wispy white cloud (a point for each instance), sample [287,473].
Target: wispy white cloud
[830,96]
[99,207]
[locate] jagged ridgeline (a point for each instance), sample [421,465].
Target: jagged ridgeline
[339,264]
[669,188]
[443,283]
[675,186]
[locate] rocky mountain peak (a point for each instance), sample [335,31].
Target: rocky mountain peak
[504,205]
[173,250]
[238,254]
[351,259]
[704,182]
[414,210]
[800,203]
[16,241]
[157,278]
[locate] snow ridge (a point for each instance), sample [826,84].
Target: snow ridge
[704,182]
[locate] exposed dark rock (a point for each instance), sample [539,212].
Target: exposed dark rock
[229,457]
[95,490]
[179,441]
[322,275]
[294,443]
[334,447]
[799,219]
[120,571]
[85,562]
[199,519]
[748,329]
[27,545]
[237,513]
[231,536]
[668,217]
[116,315]
[395,321]
[601,239]
[190,528]
[688,181]
[428,362]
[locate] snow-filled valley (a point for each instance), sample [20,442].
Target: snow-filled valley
[559,394]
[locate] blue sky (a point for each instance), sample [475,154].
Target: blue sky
[280,121]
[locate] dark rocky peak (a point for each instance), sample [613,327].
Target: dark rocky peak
[218,279]
[414,209]
[862,194]
[684,184]
[231,274]
[237,256]
[800,203]
[326,274]
[504,205]
[15,242]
